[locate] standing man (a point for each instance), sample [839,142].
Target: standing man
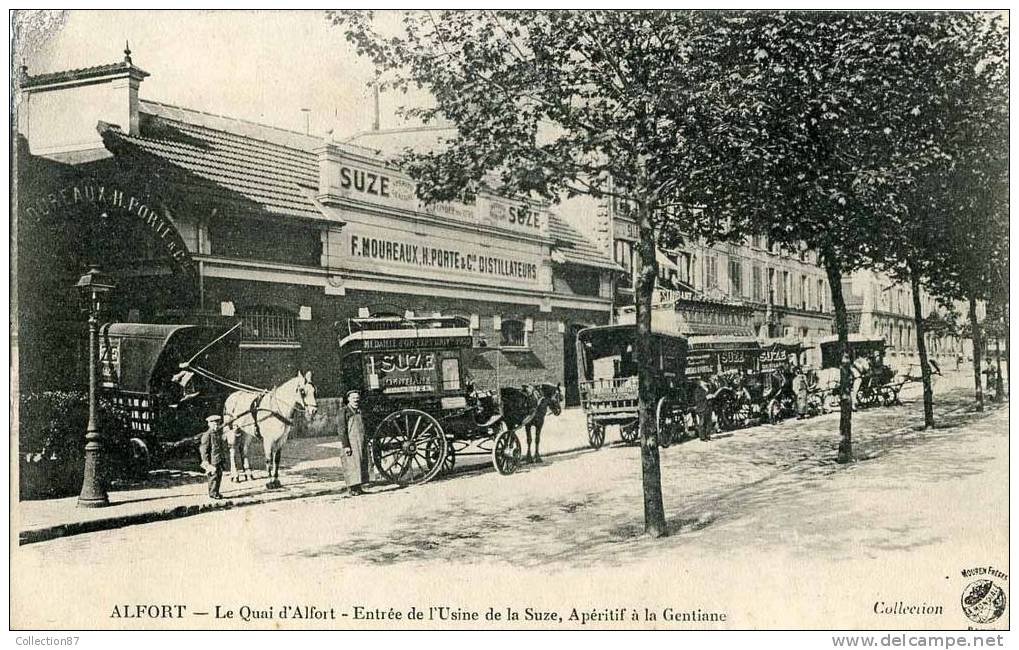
[211,450]
[800,391]
[350,428]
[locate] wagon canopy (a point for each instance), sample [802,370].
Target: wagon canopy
[406,357]
[859,345]
[143,357]
[394,333]
[775,352]
[607,351]
[710,355]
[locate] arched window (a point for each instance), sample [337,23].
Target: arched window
[268,326]
[513,334]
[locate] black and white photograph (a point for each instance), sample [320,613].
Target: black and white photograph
[511,319]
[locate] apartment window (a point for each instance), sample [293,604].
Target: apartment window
[711,271]
[735,277]
[756,283]
[513,334]
[683,262]
[624,255]
[772,288]
[804,290]
[786,288]
[267,325]
[820,295]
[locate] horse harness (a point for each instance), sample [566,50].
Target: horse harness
[256,407]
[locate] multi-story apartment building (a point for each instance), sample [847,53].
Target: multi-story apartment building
[879,306]
[782,293]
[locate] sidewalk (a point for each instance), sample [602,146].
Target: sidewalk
[311,467]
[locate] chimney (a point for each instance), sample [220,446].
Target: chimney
[64,108]
[377,122]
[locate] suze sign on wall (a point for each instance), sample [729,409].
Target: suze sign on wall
[346,179]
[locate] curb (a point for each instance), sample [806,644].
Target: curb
[47,533]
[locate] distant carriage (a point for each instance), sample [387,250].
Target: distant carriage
[608,383]
[139,368]
[876,385]
[421,410]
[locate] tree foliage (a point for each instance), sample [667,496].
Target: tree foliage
[804,126]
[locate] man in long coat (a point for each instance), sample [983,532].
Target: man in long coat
[213,456]
[350,429]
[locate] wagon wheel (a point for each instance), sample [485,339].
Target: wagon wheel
[741,413]
[865,398]
[506,452]
[665,420]
[409,447]
[595,433]
[449,462]
[630,432]
[889,396]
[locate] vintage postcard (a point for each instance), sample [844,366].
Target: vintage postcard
[505,320]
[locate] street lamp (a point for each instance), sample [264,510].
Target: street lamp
[93,286]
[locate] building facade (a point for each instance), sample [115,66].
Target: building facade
[878,306]
[787,292]
[204,218]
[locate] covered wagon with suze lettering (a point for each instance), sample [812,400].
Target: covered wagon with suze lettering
[420,407]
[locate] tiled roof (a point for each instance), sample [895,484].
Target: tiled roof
[575,247]
[31,81]
[277,168]
[271,167]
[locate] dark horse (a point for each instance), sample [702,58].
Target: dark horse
[527,406]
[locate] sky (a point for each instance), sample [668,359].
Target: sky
[263,66]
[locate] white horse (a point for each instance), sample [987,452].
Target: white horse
[268,415]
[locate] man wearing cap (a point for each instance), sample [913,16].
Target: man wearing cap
[350,429]
[211,449]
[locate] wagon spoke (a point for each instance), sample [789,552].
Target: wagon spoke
[390,453]
[414,459]
[424,431]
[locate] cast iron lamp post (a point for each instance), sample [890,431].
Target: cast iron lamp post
[93,286]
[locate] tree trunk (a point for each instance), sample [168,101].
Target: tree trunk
[975,338]
[921,348]
[999,382]
[1008,370]
[647,379]
[834,272]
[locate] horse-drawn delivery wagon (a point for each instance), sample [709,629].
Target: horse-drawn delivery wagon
[608,383]
[419,405]
[139,372]
[724,369]
[877,384]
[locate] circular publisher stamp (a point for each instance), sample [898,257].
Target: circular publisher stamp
[983,601]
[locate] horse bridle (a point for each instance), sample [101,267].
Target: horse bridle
[303,404]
